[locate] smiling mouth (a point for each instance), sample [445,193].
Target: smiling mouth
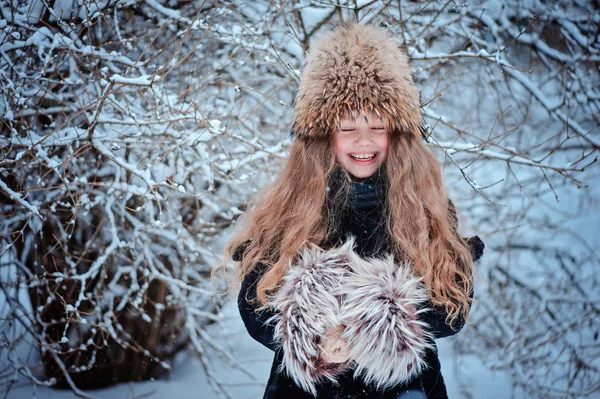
[363,157]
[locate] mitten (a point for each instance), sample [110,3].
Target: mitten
[476,246]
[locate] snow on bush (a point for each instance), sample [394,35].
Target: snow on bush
[130,136]
[135,131]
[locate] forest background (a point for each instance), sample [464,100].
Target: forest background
[133,134]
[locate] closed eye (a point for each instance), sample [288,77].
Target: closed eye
[378,128]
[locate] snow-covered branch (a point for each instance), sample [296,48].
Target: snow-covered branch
[134,134]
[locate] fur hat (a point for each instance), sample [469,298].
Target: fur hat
[356,67]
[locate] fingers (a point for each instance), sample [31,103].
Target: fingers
[335,351]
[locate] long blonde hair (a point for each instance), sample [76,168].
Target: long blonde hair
[294,210]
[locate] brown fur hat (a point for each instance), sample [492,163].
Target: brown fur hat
[356,67]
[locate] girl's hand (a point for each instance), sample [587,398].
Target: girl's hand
[335,349]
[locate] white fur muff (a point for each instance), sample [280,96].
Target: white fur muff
[376,300]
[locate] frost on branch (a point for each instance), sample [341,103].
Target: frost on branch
[512,107]
[126,150]
[135,132]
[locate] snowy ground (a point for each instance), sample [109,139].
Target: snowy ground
[188,380]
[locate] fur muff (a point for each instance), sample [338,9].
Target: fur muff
[307,307]
[385,337]
[375,300]
[356,67]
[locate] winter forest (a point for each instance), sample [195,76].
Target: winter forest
[133,134]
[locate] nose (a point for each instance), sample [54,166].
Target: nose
[363,138]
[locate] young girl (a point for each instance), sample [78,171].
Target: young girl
[350,261]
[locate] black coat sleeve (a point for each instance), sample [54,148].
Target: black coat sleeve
[254,321]
[436,316]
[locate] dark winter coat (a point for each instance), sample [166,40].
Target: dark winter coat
[365,224]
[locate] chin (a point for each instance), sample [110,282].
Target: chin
[362,174]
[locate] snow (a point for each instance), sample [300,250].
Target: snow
[139,81]
[17,197]
[175,14]
[187,378]
[93,133]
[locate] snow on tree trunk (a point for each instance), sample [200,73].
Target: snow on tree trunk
[135,132]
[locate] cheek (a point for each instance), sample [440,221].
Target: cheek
[339,148]
[384,145]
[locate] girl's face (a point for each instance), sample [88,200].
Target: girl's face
[361,144]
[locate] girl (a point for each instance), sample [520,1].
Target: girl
[350,261]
